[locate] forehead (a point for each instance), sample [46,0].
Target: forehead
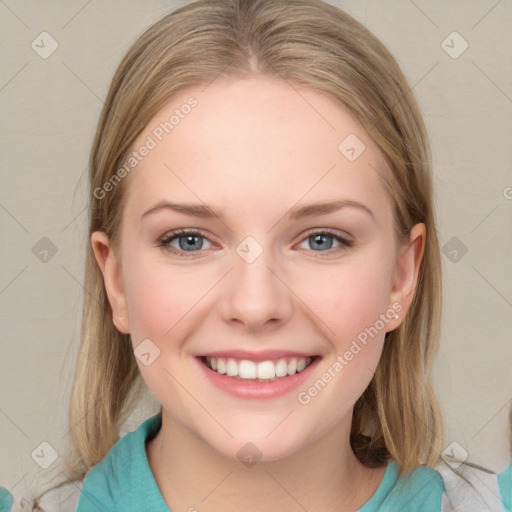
[255,142]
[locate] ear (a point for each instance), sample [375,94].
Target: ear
[406,273]
[110,267]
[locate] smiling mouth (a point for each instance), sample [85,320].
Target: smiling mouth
[262,371]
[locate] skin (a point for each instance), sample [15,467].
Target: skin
[253,148]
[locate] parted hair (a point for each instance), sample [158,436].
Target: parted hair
[308,43]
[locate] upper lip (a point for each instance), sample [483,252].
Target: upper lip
[263,355]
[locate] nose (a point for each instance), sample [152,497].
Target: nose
[255,293]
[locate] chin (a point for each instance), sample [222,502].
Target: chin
[254,450]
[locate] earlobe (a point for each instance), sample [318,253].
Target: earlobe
[407,269]
[110,267]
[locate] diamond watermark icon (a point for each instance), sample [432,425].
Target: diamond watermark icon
[454,45]
[44,45]
[146,352]
[249,249]
[454,454]
[249,455]
[454,249]
[44,249]
[44,455]
[351,147]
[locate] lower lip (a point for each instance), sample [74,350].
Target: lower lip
[243,389]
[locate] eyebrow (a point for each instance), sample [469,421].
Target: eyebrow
[294,213]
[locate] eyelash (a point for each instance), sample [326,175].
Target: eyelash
[167,239]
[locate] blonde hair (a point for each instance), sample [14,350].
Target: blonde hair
[309,43]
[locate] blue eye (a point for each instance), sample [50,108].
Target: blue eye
[320,239]
[190,241]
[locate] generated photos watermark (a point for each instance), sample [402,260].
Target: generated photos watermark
[157,135]
[361,340]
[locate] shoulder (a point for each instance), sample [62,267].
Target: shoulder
[473,488]
[420,490]
[6,499]
[505,485]
[111,482]
[453,487]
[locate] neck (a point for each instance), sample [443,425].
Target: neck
[319,477]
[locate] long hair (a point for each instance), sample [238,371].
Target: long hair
[308,43]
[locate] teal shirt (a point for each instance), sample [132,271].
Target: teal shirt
[6,500]
[505,486]
[123,482]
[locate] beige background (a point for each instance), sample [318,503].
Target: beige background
[50,108]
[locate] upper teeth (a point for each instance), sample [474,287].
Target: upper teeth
[246,369]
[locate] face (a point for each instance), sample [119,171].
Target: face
[267,281]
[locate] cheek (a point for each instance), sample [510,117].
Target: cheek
[360,307]
[349,307]
[348,302]
[349,298]
[160,307]
[158,297]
